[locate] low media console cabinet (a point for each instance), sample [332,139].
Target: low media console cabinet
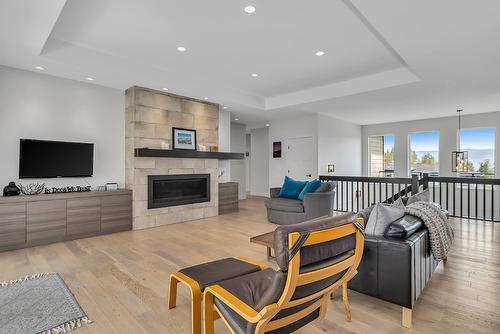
[27,221]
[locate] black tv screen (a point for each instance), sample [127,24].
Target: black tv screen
[47,159]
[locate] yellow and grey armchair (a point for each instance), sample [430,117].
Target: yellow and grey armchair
[315,258]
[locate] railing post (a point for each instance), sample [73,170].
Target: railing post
[425,181]
[414,184]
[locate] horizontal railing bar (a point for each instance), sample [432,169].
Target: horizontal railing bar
[389,180]
[464,180]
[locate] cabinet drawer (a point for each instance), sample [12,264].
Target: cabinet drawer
[84,216]
[46,222]
[116,213]
[12,225]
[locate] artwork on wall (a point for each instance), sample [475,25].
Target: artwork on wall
[277,149]
[184,139]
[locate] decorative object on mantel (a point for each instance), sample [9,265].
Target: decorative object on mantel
[70,189]
[459,159]
[213,148]
[40,303]
[32,188]
[202,148]
[11,190]
[165,145]
[111,186]
[184,139]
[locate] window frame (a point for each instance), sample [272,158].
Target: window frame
[408,153]
[494,144]
[368,167]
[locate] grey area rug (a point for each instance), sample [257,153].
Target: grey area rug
[39,303]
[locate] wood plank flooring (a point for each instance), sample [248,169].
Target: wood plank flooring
[121,280]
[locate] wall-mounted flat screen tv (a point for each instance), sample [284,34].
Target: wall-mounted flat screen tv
[49,159]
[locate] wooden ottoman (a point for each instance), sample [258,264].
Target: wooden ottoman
[201,276]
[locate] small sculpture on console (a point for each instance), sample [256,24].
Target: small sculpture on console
[11,190]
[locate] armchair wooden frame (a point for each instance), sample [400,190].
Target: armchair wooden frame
[263,318]
[196,294]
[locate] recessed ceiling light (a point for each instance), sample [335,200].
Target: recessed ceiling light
[224,107]
[267,124]
[320,53]
[165,89]
[206,98]
[249,9]
[236,119]
[90,79]
[181,49]
[254,75]
[40,68]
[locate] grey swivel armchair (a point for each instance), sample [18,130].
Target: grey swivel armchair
[284,211]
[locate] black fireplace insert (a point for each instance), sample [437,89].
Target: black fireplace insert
[180,189]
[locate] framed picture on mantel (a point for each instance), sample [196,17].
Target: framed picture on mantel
[183,139]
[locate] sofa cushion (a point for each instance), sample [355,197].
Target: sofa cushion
[291,188]
[381,217]
[285,204]
[310,187]
[404,227]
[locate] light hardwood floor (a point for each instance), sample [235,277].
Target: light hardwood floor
[121,280]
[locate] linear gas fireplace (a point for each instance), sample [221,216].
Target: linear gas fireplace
[181,189]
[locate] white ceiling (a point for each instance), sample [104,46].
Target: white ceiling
[385,60]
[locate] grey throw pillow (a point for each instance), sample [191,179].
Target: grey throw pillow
[325,187]
[422,196]
[381,217]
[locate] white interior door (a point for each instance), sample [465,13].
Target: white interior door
[299,160]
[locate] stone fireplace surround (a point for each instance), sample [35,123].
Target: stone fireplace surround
[150,116]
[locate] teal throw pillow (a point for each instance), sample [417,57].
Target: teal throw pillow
[291,188]
[310,187]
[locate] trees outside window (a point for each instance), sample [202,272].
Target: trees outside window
[480,145]
[424,153]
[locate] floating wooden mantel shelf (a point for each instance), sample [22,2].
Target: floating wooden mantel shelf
[158,153]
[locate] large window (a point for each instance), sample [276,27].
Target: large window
[480,146]
[424,153]
[381,155]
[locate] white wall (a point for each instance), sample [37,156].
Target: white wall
[224,144]
[339,142]
[38,106]
[448,138]
[238,145]
[259,162]
[283,130]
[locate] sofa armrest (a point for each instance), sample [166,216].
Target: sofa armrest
[274,192]
[318,204]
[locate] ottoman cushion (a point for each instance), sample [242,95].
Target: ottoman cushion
[210,273]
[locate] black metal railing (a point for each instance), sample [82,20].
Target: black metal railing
[463,197]
[466,197]
[354,193]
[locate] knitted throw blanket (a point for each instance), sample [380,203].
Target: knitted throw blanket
[440,232]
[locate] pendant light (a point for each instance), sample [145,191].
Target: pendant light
[459,159]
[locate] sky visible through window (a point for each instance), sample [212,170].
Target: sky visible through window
[480,145]
[424,152]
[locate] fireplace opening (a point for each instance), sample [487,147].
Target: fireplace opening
[181,189]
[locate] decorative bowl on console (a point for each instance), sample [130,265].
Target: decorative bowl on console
[32,188]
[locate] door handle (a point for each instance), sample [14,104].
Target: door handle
[309,175]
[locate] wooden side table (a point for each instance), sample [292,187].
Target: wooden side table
[267,240]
